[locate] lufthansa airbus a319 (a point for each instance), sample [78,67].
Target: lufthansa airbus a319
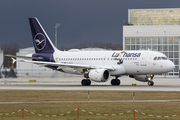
[96,66]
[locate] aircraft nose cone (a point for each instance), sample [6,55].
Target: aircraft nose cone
[171,66]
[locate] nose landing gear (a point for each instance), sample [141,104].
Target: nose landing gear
[150,83]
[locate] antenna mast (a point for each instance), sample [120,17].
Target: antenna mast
[56,26]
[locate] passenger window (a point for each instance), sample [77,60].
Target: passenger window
[155,58]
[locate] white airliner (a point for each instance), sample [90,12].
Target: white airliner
[96,66]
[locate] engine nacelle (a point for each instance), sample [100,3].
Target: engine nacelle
[142,78]
[99,75]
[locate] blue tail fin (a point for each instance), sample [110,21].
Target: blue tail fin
[41,41]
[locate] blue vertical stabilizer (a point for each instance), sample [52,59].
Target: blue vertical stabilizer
[41,41]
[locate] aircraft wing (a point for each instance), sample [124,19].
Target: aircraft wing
[64,65]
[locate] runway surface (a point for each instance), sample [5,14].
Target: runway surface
[74,83]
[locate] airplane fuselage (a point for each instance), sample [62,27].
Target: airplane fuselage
[124,62]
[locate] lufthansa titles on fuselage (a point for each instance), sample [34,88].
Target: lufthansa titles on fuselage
[125,54]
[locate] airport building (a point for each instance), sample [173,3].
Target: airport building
[1,62]
[156,30]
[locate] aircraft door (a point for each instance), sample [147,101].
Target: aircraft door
[143,59]
[104,60]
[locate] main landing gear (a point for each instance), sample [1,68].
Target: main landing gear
[86,82]
[115,81]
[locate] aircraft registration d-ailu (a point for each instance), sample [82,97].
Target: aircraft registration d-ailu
[96,66]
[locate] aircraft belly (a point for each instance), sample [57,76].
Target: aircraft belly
[71,71]
[136,70]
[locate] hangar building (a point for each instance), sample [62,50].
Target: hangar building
[156,30]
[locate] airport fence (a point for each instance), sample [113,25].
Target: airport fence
[78,110]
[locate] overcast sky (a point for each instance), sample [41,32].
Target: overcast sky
[81,20]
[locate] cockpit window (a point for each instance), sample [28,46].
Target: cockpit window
[160,58]
[164,58]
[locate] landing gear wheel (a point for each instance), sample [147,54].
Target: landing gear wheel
[83,82]
[115,82]
[150,83]
[118,82]
[86,82]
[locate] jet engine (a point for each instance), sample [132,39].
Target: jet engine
[98,75]
[142,78]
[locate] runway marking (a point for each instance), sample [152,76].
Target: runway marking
[22,102]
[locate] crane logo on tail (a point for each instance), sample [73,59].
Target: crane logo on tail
[39,41]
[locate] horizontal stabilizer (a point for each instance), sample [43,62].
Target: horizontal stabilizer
[24,57]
